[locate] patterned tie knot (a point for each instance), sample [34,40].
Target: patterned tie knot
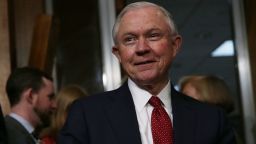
[155,101]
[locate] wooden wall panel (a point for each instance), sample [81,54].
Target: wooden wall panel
[25,13]
[44,43]
[4,54]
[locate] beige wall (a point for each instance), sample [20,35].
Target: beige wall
[4,54]
[25,13]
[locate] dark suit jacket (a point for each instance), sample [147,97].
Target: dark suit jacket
[110,118]
[3,138]
[17,134]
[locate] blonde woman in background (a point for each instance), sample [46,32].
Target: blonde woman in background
[66,96]
[213,90]
[208,88]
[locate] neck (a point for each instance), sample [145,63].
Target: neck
[26,113]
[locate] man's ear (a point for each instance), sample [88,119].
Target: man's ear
[115,51]
[176,44]
[29,96]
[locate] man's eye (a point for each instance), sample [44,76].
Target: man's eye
[154,36]
[129,40]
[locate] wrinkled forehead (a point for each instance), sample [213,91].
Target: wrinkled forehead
[165,17]
[143,18]
[146,10]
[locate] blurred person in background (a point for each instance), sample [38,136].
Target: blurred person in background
[208,88]
[65,97]
[31,95]
[212,90]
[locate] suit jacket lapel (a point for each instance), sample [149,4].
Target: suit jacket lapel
[122,116]
[15,124]
[184,119]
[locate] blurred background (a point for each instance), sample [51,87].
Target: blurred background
[72,40]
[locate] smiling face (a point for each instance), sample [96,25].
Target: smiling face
[145,46]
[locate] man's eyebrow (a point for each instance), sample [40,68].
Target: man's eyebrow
[128,33]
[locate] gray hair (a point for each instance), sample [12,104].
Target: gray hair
[138,5]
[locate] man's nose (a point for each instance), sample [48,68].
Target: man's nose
[142,46]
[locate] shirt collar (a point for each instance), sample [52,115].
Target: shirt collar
[141,97]
[165,96]
[23,122]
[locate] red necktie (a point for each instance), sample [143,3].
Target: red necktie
[160,123]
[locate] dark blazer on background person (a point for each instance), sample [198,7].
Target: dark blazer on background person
[17,134]
[3,135]
[110,118]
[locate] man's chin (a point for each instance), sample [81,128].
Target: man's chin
[147,77]
[145,80]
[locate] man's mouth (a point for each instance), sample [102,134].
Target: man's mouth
[144,62]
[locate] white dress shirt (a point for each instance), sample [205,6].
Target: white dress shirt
[144,109]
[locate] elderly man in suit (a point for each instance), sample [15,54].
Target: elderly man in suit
[32,100]
[146,109]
